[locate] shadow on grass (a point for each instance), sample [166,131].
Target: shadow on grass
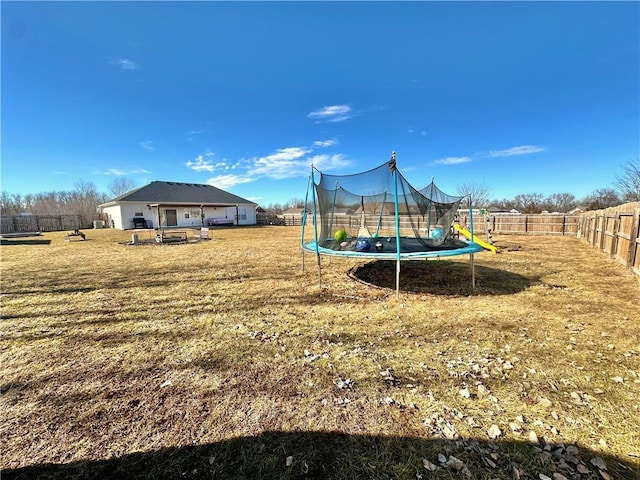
[23,241]
[326,455]
[440,278]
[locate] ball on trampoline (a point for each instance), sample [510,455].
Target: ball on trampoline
[340,235]
[437,235]
[389,239]
[379,246]
[363,245]
[344,244]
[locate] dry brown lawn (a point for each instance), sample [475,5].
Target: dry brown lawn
[223,359]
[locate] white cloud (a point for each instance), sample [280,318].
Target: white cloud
[521,150]
[329,162]
[325,143]
[333,113]
[124,63]
[119,172]
[227,181]
[452,160]
[148,145]
[283,163]
[59,172]
[201,165]
[110,171]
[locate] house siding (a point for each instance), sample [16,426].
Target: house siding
[120,216]
[185,198]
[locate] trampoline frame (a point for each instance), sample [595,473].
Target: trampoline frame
[313,246]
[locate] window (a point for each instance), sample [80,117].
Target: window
[192,213]
[138,213]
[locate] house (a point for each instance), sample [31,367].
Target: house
[294,215]
[176,204]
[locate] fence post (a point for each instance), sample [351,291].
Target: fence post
[633,238]
[614,236]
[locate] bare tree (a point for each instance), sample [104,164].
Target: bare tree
[479,193]
[560,202]
[85,198]
[121,185]
[529,202]
[629,181]
[602,198]
[12,204]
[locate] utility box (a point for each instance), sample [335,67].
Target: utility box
[98,224]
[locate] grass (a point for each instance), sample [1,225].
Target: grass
[223,359]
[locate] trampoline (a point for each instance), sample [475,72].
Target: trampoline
[378,214]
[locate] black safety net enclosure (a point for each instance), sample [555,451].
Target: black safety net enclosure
[378,210]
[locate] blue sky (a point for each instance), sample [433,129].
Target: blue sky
[524,97]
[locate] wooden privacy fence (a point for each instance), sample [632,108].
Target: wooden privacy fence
[498,223]
[524,224]
[44,223]
[615,231]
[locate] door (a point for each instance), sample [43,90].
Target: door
[172,217]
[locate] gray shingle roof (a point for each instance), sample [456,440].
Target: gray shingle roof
[179,192]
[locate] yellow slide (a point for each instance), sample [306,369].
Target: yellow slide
[475,238]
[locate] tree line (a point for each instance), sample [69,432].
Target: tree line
[82,200]
[85,198]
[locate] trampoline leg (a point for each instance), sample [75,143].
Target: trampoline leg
[319,274]
[398,279]
[473,272]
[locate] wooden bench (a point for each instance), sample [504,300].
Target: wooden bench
[172,236]
[75,233]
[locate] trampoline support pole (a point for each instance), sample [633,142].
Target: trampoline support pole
[315,231]
[304,220]
[397,215]
[473,272]
[473,268]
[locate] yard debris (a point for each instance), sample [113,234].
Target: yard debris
[428,465]
[533,437]
[289,461]
[494,432]
[344,384]
[515,426]
[310,356]
[599,463]
[387,375]
[544,402]
[582,468]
